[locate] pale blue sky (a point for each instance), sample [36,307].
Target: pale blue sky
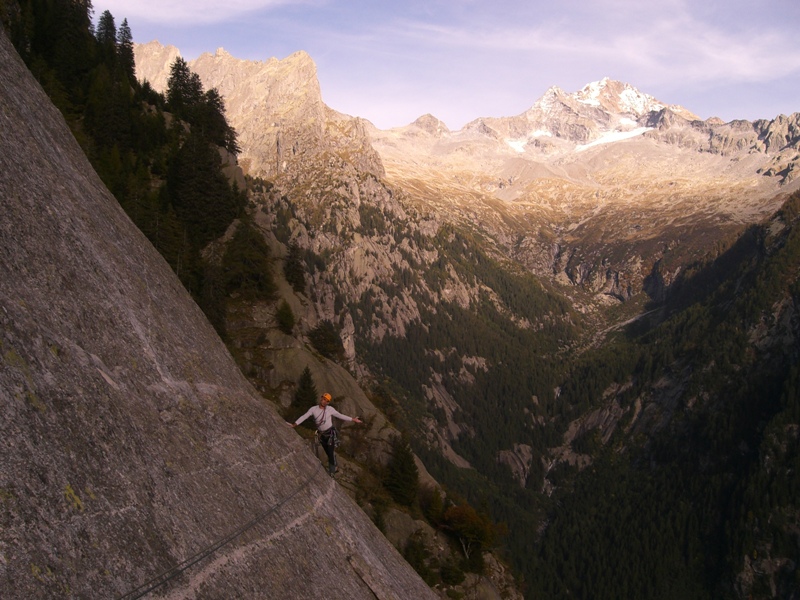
[393,61]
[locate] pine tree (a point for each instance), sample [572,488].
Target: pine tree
[200,192]
[209,117]
[326,340]
[402,475]
[304,398]
[125,51]
[285,318]
[168,234]
[432,505]
[70,49]
[246,264]
[293,269]
[106,32]
[184,89]
[107,110]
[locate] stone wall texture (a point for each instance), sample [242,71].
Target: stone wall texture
[130,443]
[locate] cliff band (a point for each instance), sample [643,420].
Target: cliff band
[129,440]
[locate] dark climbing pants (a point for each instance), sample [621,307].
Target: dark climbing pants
[328,441]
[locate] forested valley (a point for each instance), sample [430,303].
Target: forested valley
[696,500]
[692,493]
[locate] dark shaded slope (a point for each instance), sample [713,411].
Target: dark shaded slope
[129,439]
[695,493]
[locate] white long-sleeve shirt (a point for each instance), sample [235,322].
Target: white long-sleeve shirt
[323,417]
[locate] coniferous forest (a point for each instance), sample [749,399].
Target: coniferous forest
[701,504]
[160,156]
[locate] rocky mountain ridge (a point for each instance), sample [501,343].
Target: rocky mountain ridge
[262,97]
[605,108]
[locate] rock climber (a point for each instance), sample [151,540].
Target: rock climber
[328,436]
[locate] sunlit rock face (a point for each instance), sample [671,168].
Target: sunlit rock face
[592,189]
[130,441]
[277,109]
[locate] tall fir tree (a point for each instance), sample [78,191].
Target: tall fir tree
[285,318]
[293,269]
[402,475]
[246,264]
[125,51]
[184,89]
[304,398]
[325,339]
[106,31]
[209,116]
[200,192]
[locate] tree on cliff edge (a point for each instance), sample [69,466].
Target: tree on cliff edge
[402,475]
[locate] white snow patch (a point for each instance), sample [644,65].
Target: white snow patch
[636,102]
[542,133]
[546,102]
[614,136]
[590,94]
[518,145]
[626,121]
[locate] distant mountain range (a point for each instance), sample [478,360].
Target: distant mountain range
[607,189]
[558,123]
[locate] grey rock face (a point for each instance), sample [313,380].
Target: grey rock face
[152,63]
[277,109]
[130,440]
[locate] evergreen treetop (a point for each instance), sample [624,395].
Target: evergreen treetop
[106,31]
[304,398]
[125,50]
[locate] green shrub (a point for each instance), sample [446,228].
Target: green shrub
[326,341]
[417,555]
[285,318]
[247,266]
[451,573]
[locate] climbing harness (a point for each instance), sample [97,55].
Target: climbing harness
[329,437]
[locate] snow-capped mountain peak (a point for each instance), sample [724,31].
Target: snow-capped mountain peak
[602,110]
[618,97]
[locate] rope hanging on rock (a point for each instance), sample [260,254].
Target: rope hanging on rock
[169,574]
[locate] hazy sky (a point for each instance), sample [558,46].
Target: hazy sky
[392,61]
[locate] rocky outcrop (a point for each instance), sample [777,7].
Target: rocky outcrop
[153,62]
[431,125]
[518,460]
[736,138]
[131,443]
[781,133]
[277,110]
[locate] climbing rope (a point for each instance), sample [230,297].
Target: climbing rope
[169,574]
